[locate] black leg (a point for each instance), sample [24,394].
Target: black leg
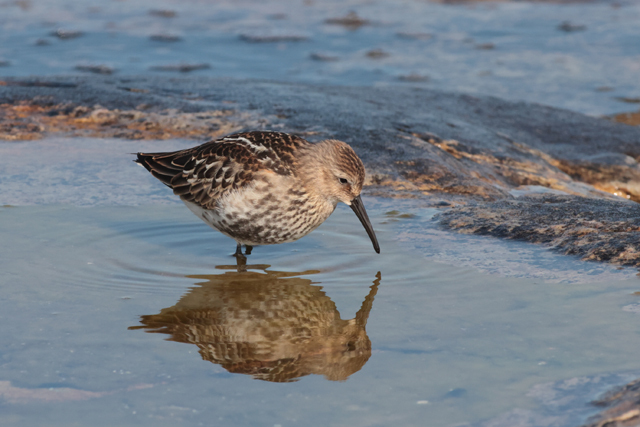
[238,250]
[248,249]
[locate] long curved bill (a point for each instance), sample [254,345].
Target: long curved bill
[361,213]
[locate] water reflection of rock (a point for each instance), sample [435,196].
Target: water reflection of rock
[272,325]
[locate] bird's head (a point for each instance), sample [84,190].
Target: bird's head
[336,172]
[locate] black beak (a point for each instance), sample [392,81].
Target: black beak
[358,208]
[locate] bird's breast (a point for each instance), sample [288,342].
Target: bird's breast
[266,212]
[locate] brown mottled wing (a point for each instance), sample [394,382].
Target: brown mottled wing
[203,174]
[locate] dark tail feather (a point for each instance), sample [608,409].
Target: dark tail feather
[142,160]
[159,167]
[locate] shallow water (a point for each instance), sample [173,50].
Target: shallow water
[461,329]
[447,343]
[580,56]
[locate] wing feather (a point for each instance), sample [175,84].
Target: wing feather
[205,173]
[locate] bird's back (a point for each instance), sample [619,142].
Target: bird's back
[203,174]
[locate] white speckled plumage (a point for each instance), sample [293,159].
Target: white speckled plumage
[262,188]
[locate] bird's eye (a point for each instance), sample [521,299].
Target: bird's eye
[343,181]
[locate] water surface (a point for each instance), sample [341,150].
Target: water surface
[318,332]
[580,56]
[122,308]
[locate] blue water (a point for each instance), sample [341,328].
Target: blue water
[511,50]
[447,343]
[457,330]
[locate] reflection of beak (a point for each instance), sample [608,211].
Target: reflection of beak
[358,208]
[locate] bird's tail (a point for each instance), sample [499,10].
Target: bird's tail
[164,166]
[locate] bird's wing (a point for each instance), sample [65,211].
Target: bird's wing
[203,174]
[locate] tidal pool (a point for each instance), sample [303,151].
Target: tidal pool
[117,314]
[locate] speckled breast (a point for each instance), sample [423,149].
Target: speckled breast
[266,214]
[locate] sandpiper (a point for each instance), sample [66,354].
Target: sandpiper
[264,188]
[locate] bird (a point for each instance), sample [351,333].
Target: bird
[264,187]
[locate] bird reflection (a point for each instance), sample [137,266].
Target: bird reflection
[275,326]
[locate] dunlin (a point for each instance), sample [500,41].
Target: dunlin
[264,188]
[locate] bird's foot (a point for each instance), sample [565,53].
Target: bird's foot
[247,251]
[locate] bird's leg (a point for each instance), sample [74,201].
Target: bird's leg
[248,249]
[239,253]
[241,260]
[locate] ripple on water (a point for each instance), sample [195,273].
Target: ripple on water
[157,249]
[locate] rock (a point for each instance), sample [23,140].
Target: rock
[622,407]
[594,229]
[628,99]
[181,68]
[273,38]
[96,69]
[377,54]
[569,27]
[25,121]
[632,119]
[323,57]
[350,21]
[485,46]
[415,142]
[413,78]
[63,34]
[163,13]
[165,38]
